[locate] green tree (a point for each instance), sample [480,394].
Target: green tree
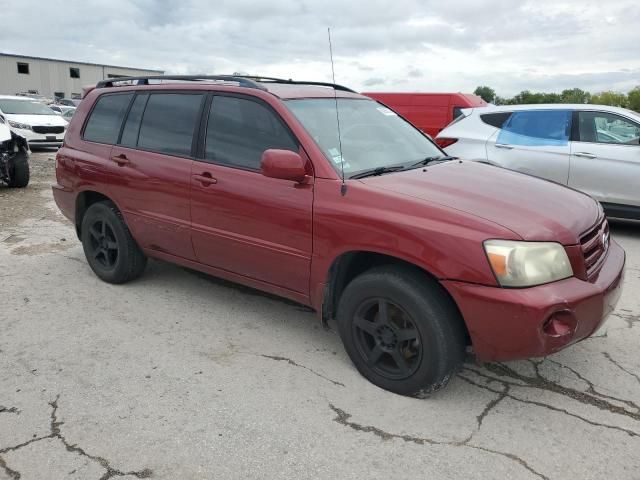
[551,98]
[501,100]
[488,94]
[633,99]
[574,95]
[527,97]
[612,98]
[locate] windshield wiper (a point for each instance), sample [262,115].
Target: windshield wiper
[377,171]
[432,160]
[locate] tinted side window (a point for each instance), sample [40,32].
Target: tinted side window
[106,118]
[132,125]
[537,128]
[457,112]
[239,131]
[169,122]
[603,127]
[495,119]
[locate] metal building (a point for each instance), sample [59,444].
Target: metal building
[56,78]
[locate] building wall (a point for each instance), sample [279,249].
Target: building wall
[50,76]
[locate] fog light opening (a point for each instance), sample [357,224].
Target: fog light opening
[560,324]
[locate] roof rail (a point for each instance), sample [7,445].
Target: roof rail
[240,80]
[296,82]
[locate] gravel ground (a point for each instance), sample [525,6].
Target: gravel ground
[180,375]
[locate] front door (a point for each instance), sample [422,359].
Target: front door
[535,142]
[242,221]
[605,158]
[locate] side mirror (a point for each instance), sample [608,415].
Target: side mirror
[283,164]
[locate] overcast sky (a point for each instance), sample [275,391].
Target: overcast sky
[395,45]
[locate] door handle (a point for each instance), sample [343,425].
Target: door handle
[121,159]
[502,145]
[585,155]
[206,179]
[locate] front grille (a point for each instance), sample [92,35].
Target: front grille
[55,130]
[595,244]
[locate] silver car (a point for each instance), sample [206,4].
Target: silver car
[593,148]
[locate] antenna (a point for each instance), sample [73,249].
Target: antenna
[343,187]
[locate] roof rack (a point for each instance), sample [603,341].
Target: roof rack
[248,81]
[240,80]
[295,82]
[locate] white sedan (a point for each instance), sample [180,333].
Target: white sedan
[33,120]
[592,148]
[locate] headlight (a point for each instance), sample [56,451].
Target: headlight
[525,264]
[23,126]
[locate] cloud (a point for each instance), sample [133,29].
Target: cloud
[372,82]
[410,44]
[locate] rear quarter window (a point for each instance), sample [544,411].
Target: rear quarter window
[106,118]
[495,119]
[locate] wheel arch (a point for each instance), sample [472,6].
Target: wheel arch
[349,265]
[84,200]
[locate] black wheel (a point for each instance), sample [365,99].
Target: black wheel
[111,251]
[401,330]
[19,170]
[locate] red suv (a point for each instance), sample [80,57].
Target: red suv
[416,255]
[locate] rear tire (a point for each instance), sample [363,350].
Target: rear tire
[401,330]
[18,171]
[112,253]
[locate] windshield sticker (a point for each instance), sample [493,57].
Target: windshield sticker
[337,158]
[387,112]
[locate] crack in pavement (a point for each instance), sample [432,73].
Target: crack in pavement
[592,389]
[343,417]
[542,383]
[291,362]
[550,407]
[11,473]
[491,405]
[4,409]
[628,318]
[487,408]
[635,375]
[55,432]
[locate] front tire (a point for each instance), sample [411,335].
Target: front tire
[401,330]
[111,251]
[18,171]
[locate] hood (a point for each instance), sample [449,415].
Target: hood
[46,120]
[532,208]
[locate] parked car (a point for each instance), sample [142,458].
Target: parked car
[593,148]
[430,112]
[68,114]
[32,120]
[34,95]
[416,256]
[68,102]
[61,109]
[14,157]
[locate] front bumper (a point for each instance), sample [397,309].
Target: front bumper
[509,324]
[40,139]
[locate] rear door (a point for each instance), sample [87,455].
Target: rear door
[605,157]
[535,142]
[242,221]
[154,155]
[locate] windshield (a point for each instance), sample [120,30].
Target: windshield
[24,107]
[372,136]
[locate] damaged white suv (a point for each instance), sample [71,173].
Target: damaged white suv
[14,157]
